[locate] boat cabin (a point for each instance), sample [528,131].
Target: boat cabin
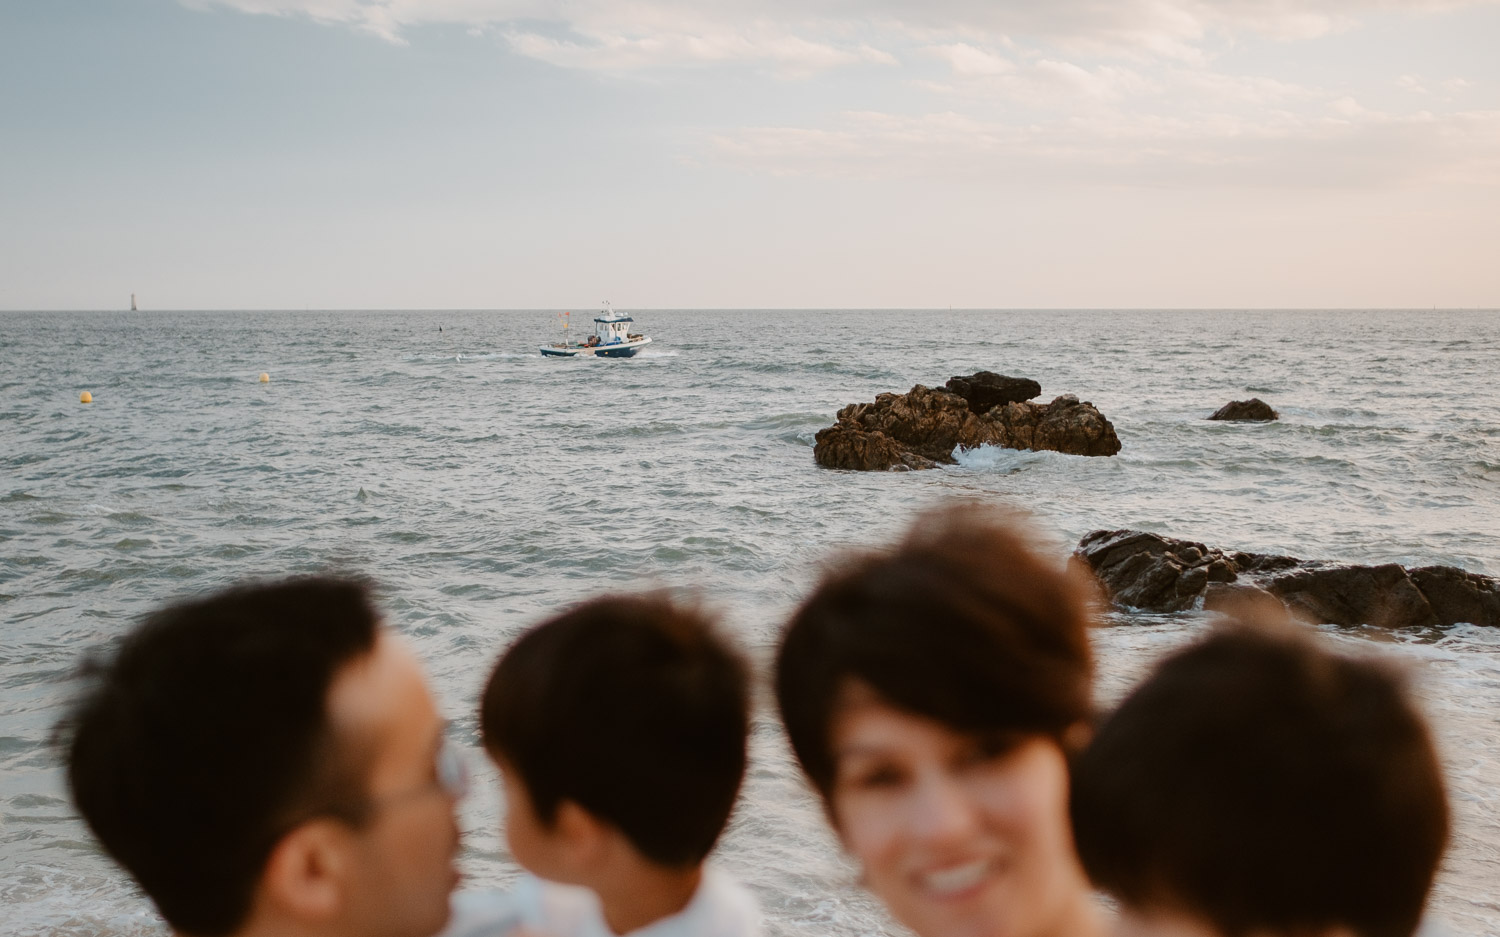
[612,331]
[611,328]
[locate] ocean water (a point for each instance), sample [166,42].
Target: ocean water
[484,487]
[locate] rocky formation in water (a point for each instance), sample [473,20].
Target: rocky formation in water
[1253,410]
[985,389]
[1160,574]
[920,429]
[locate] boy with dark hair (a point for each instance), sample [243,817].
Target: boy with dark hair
[619,728]
[268,761]
[1260,783]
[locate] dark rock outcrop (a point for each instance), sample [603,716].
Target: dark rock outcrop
[985,389]
[1161,574]
[846,446]
[921,428]
[1253,410]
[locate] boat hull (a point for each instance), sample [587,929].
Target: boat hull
[622,350]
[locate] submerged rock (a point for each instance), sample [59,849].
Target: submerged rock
[1162,574]
[1253,410]
[921,428]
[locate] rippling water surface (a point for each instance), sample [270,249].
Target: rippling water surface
[485,486]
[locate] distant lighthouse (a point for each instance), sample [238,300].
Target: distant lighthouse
[132,302]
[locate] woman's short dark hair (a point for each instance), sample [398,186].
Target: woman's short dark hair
[1260,782]
[633,707]
[207,731]
[964,622]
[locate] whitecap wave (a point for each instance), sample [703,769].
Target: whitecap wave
[997,459]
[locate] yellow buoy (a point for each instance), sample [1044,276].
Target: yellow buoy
[85,397]
[265,378]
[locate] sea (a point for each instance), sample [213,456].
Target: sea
[485,487]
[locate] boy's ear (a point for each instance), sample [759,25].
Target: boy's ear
[1076,737]
[584,835]
[305,874]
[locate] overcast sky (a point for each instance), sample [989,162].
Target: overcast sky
[233,154]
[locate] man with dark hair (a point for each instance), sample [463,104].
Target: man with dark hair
[268,760]
[1259,783]
[619,728]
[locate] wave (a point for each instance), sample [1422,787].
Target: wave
[459,357]
[998,460]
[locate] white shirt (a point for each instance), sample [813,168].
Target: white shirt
[721,907]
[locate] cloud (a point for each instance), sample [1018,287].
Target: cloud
[1126,92]
[790,55]
[1346,147]
[1445,88]
[970,62]
[829,33]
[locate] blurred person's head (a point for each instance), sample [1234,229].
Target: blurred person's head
[268,760]
[620,730]
[932,694]
[1258,783]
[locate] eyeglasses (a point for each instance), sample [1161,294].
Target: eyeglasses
[451,774]
[450,778]
[452,770]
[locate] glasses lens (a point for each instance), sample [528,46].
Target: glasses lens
[452,771]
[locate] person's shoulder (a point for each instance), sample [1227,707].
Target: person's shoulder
[531,903]
[1434,926]
[563,910]
[482,914]
[723,908]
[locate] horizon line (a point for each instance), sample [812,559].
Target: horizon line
[509,309]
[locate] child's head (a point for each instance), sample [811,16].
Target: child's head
[1257,782]
[632,708]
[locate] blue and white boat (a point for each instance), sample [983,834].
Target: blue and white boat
[612,338]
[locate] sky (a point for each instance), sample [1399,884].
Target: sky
[492,154]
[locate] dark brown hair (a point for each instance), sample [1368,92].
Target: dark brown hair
[1260,782]
[963,622]
[196,743]
[632,707]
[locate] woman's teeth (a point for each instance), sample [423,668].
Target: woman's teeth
[957,878]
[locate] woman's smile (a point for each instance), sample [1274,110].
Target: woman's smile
[959,834]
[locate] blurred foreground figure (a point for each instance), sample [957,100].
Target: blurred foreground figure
[619,728]
[1259,783]
[933,694]
[268,760]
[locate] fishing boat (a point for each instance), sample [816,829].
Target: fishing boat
[612,338]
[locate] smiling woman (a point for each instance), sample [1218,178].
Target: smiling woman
[932,696]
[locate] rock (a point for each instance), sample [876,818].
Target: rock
[1354,595]
[1253,410]
[847,446]
[985,389]
[1457,594]
[1064,425]
[1143,570]
[923,427]
[927,421]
